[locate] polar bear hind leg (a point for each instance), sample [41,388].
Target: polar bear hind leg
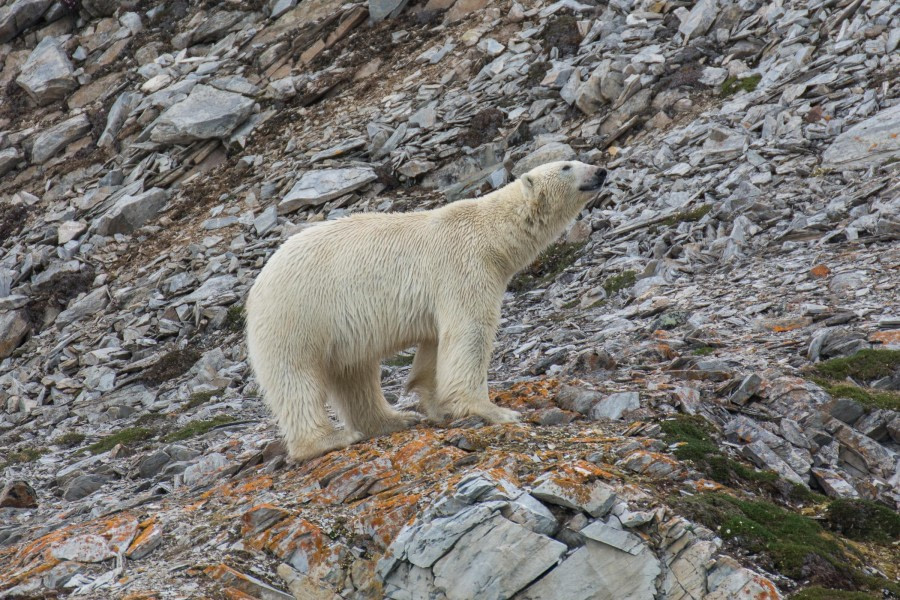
[297,399]
[355,393]
[423,379]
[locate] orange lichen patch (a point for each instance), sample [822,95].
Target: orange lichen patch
[527,394]
[302,543]
[248,486]
[196,505]
[236,594]
[141,596]
[149,533]
[891,336]
[120,532]
[783,324]
[581,471]
[356,482]
[440,460]
[769,591]
[820,271]
[705,485]
[259,515]
[413,452]
[383,518]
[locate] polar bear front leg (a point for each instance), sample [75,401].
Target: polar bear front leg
[423,378]
[356,395]
[463,358]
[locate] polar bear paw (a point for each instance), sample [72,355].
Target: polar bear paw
[496,415]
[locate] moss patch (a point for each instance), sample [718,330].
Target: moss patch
[693,434]
[12,218]
[23,455]
[866,396]
[733,85]
[820,593]
[198,398]
[865,366]
[235,318]
[536,72]
[132,435]
[688,216]
[195,428]
[552,261]
[703,351]
[617,283]
[483,128]
[863,520]
[400,360]
[69,440]
[171,365]
[796,545]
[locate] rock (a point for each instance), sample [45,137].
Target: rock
[99,8]
[47,75]
[146,542]
[205,471]
[14,326]
[19,15]
[130,212]
[51,141]
[92,304]
[617,538]
[547,153]
[728,580]
[700,18]
[87,548]
[119,111]
[632,107]
[594,498]
[18,494]
[9,159]
[211,289]
[869,142]
[577,399]
[68,231]
[833,484]
[153,464]
[747,389]
[206,113]
[615,405]
[379,10]
[599,571]
[845,409]
[318,187]
[427,542]
[84,485]
[495,560]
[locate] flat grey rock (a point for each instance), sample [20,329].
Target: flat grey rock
[315,188]
[870,142]
[16,16]
[9,158]
[547,153]
[131,212]
[47,75]
[13,329]
[206,113]
[615,405]
[494,561]
[595,498]
[49,142]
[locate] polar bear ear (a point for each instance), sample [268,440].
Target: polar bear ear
[528,182]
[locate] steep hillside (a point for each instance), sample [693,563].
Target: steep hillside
[708,361]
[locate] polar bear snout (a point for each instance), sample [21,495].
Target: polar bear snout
[595,182]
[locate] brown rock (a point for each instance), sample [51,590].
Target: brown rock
[18,494]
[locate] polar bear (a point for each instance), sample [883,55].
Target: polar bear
[338,297]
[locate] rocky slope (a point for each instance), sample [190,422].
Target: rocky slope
[708,362]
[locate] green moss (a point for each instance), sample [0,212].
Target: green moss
[820,593]
[869,397]
[865,365]
[148,419]
[688,216]
[733,85]
[171,365]
[703,351]
[400,360]
[198,398]
[617,283]
[132,435]
[24,455]
[69,440]
[863,520]
[551,262]
[695,443]
[790,540]
[195,428]
[234,318]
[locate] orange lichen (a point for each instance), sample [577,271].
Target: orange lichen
[820,271]
[891,336]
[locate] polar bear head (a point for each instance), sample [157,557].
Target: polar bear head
[559,190]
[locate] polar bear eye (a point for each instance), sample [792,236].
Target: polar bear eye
[567,167]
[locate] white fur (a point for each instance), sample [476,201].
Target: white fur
[337,298]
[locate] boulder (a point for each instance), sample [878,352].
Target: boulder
[47,75]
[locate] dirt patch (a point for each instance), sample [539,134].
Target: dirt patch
[14,102]
[171,365]
[483,128]
[56,294]
[562,33]
[12,218]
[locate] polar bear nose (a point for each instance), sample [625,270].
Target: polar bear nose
[596,181]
